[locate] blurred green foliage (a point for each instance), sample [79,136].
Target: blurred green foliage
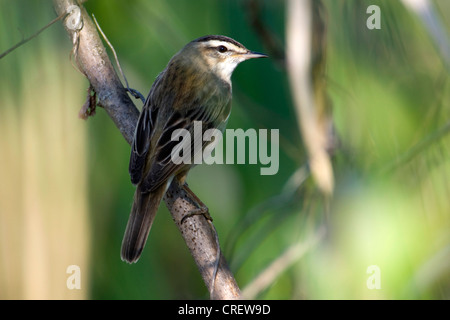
[390,92]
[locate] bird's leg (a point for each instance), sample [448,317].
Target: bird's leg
[202,209]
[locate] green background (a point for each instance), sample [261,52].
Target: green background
[390,94]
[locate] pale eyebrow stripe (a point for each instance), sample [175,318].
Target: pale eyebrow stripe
[220,38]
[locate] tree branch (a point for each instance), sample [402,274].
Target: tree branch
[198,233]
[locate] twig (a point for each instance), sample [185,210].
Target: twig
[133,92]
[283,262]
[112,96]
[32,36]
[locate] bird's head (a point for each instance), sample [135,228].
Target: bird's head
[217,54]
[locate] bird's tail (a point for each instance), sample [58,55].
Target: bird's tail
[141,218]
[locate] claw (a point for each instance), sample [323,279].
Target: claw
[202,211]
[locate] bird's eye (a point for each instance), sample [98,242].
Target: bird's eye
[222,49]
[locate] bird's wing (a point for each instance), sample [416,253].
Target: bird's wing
[171,141]
[141,142]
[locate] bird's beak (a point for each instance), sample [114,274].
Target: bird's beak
[254,55]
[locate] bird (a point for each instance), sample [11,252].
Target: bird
[194,86]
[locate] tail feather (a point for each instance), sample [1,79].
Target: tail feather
[141,218]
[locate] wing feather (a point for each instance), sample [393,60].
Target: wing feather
[141,142]
[163,167]
[151,163]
